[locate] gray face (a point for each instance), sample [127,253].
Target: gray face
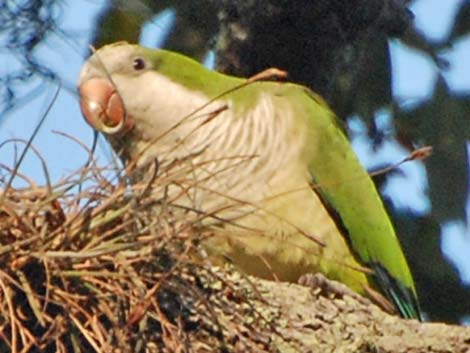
[122,96]
[117,58]
[101,97]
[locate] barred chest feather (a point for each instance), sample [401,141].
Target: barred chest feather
[233,160]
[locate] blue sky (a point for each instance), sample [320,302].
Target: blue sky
[414,77]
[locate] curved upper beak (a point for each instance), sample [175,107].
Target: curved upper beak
[103,107]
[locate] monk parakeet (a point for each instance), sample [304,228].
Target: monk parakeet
[268,162]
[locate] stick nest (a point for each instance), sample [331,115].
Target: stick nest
[96,265]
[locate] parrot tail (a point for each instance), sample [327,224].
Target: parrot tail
[403,298]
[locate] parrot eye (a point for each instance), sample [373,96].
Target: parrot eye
[138,64]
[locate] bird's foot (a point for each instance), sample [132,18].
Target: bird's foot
[322,286]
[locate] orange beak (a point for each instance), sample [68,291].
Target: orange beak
[103,108]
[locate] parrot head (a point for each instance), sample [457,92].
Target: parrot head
[101,96]
[127,89]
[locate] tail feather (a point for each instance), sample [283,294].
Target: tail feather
[404,298]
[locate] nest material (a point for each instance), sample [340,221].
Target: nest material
[95,264]
[91,265]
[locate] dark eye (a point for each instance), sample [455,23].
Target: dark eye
[138,64]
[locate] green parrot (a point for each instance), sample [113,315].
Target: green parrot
[267,161]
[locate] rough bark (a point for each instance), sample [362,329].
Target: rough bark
[306,322]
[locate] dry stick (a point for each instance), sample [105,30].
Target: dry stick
[77,221]
[38,155]
[81,144]
[32,184]
[90,160]
[85,333]
[24,221]
[51,199]
[99,240]
[13,321]
[3,337]
[268,74]
[152,178]
[79,312]
[140,309]
[32,300]
[48,286]
[416,155]
[28,145]
[96,211]
[378,299]
[66,222]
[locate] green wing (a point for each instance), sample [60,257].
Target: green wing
[350,195]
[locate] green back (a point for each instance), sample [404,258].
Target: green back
[337,175]
[342,182]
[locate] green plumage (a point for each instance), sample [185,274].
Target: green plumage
[351,194]
[305,179]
